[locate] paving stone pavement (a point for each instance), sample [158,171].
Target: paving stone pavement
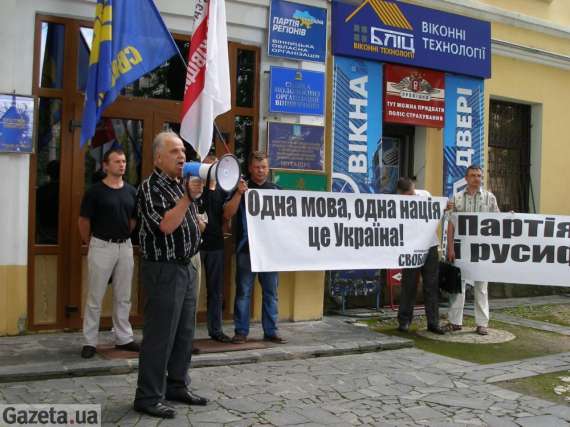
[406,387]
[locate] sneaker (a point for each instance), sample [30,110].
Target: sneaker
[130,346]
[277,339]
[239,339]
[88,351]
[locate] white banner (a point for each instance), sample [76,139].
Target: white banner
[513,248]
[309,230]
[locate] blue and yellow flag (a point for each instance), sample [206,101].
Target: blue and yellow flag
[130,39]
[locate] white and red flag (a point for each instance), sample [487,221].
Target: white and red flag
[207,93]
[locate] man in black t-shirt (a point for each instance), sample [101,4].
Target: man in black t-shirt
[212,254]
[106,220]
[259,172]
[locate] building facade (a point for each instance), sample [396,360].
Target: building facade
[45,48]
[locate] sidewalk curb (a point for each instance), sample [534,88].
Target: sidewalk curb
[45,371]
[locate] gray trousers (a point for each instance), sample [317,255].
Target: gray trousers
[168,331]
[409,285]
[106,259]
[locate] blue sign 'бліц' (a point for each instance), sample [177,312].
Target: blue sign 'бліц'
[297,31]
[407,34]
[296,91]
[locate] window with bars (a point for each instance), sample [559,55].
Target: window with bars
[509,155]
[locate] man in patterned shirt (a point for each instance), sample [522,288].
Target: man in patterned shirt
[472,199]
[169,237]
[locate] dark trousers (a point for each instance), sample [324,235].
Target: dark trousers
[214,268]
[429,273]
[169,320]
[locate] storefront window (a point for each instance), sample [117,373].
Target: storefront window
[51,55]
[47,172]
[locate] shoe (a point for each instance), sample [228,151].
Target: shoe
[88,351]
[436,330]
[404,327]
[221,337]
[482,330]
[450,327]
[239,339]
[277,339]
[195,350]
[130,346]
[186,396]
[158,410]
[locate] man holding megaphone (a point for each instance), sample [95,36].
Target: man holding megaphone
[169,238]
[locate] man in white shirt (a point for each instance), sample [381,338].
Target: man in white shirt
[472,199]
[429,273]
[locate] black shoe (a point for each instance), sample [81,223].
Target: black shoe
[186,396]
[277,339]
[159,410]
[130,346]
[436,330]
[88,351]
[404,327]
[221,337]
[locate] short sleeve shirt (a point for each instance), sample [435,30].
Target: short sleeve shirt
[158,194]
[109,210]
[480,201]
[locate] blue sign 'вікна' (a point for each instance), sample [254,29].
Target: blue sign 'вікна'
[292,146]
[297,31]
[463,133]
[407,34]
[296,91]
[357,131]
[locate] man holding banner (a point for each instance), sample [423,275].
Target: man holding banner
[259,172]
[472,199]
[429,271]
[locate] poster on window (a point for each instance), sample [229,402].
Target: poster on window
[414,96]
[16,123]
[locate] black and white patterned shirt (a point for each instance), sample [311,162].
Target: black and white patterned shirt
[157,195]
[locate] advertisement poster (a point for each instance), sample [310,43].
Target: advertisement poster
[357,126]
[407,34]
[293,146]
[463,133]
[414,96]
[295,91]
[16,123]
[297,31]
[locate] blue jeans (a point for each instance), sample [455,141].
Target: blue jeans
[269,305]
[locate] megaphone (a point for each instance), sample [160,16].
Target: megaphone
[225,171]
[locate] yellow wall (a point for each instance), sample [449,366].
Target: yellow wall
[13,299]
[556,11]
[549,87]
